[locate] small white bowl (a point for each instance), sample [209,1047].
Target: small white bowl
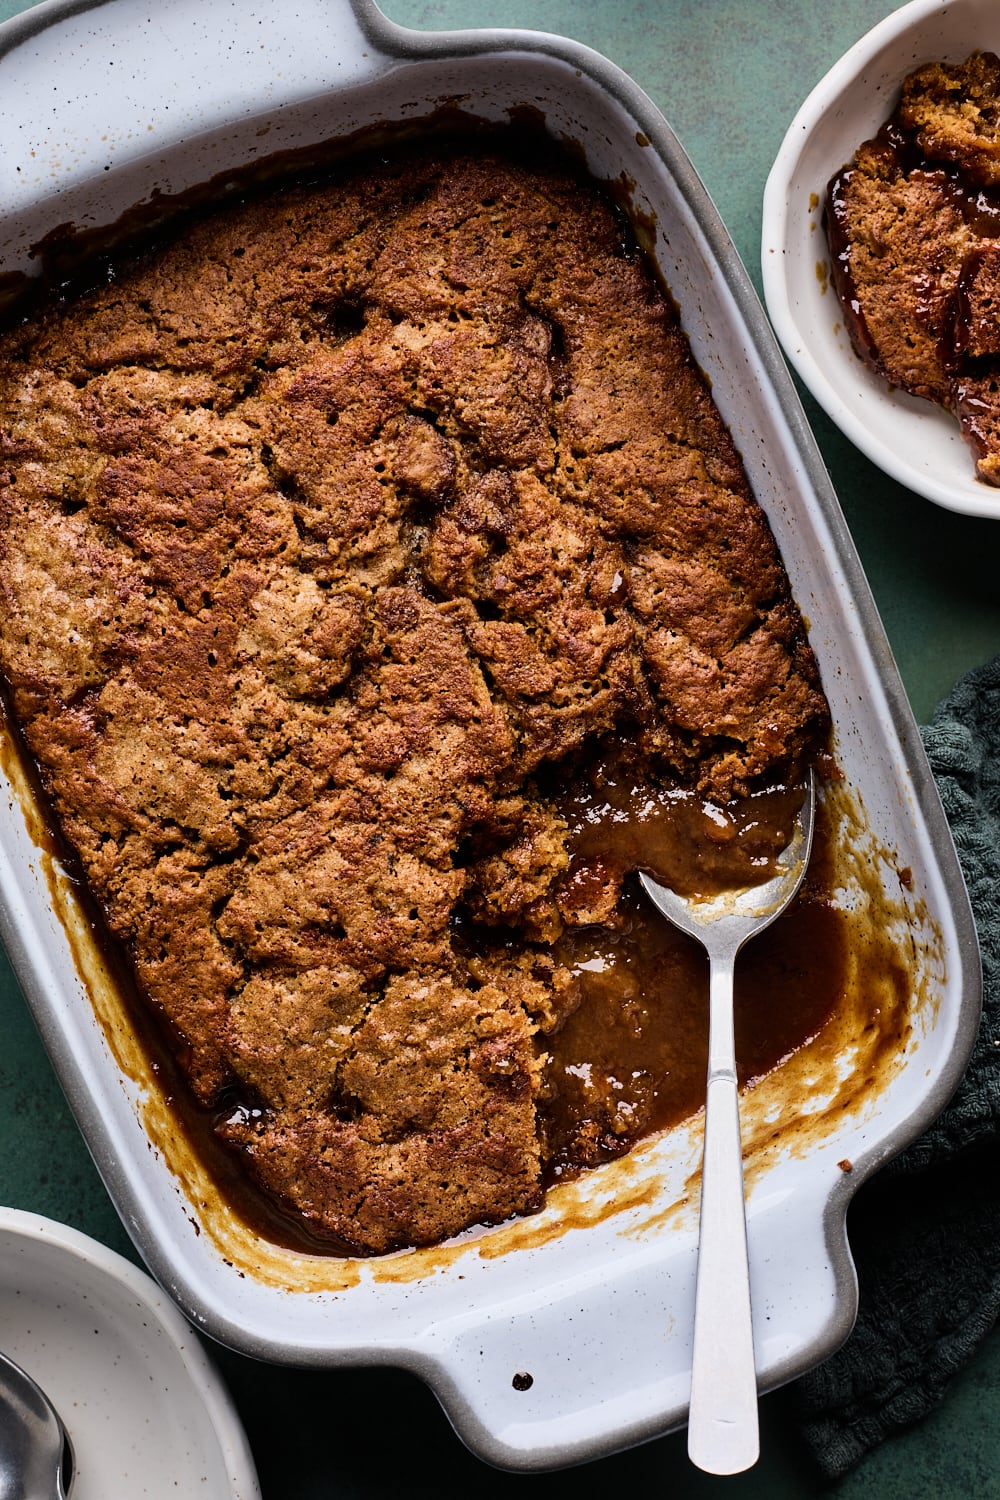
[146,1412]
[910,439]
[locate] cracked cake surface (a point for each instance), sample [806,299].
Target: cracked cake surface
[334,531]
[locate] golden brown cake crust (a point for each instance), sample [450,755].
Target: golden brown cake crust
[326,529]
[953,110]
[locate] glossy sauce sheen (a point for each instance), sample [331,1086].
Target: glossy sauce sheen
[632,1059]
[620,821]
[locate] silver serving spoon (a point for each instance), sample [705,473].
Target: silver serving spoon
[723,1432]
[36,1457]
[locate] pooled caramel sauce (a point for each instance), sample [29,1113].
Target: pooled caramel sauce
[623,821]
[632,1058]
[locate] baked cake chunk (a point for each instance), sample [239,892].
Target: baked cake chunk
[953,112]
[913,223]
[975,306]
[898,240]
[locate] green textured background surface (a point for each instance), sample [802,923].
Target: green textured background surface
[729,75]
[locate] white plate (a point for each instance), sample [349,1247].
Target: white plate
[148,1416]
[912,440]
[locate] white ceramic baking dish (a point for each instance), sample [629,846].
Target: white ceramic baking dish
[912,440]
[591,1298]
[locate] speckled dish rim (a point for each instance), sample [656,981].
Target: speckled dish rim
[615,1420]
[89,1276]
[911,440]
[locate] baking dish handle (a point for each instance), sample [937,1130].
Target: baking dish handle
[144,100]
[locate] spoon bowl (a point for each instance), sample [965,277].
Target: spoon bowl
[36,1456]
[723,1429]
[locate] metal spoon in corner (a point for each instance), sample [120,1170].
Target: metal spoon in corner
[36,1456]
[723,1430]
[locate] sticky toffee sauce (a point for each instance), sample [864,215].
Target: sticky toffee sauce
[632,1058]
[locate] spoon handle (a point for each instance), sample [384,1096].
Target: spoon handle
[723,1435]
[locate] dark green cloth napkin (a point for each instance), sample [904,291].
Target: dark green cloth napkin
[925,1231]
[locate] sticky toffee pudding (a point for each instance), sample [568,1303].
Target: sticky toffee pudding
[380,589]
